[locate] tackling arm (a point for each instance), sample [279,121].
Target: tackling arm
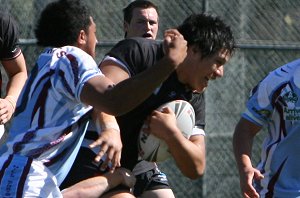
[242,146]
[116,100]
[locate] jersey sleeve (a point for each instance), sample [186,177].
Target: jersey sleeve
[198,103]
[136,54]
[73,72]
[8,38]
[260,104]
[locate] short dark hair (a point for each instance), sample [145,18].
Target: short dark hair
[127,11]
[209,33]
[61,22]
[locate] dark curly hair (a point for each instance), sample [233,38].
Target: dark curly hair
[61,22]
[209,33]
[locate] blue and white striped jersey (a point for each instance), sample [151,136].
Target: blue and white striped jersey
[50,118]
[275,103]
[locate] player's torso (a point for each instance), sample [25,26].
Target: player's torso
[131,122]
[281,149]
[44,117]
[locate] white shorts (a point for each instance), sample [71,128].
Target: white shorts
[2,130]
[23,177]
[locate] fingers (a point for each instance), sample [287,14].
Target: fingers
[167,110]
[172,33]
[101,153]
[96,143]
[112,160]
[258,175]
[6,111]
[175,47]
[110,145]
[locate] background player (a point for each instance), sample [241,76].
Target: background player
[274,103]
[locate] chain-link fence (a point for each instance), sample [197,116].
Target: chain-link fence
[267,33]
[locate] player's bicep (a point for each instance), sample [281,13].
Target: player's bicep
[94,89]
[247,127]
[113,71]
[14,66]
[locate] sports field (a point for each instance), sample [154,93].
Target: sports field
[267,33]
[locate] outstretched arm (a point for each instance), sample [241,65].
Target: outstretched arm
[242,146]
[117,100]
[94,187]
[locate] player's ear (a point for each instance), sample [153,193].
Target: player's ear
[81,40]
[125,26]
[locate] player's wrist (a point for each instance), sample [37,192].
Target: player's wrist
[12,101]
[111,125]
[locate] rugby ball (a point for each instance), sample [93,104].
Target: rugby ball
[154,149]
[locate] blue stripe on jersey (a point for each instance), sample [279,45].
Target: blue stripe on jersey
[273,181]
[14,176]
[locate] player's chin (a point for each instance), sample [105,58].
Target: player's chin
[201,88]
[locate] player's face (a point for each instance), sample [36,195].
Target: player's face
[144,23]
[91,39]
[200,70]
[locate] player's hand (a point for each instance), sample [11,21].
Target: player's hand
[246,180]
[128,178]
[110,144]
[175,46]
[162,123]
[7,108]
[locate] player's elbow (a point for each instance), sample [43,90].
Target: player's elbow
[196,173]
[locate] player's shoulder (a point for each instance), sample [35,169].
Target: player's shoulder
[139,42]
[283,73]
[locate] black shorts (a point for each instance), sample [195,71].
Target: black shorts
[83,168]
[151,180]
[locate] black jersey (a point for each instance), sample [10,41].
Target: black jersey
[8,38]
[138,54]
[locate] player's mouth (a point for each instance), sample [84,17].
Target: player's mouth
[147,35]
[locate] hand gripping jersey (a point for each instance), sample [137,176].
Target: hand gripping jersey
[275,103]
[50,118]
[136,55]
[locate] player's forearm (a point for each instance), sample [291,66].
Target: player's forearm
[242,146]
[189,156]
